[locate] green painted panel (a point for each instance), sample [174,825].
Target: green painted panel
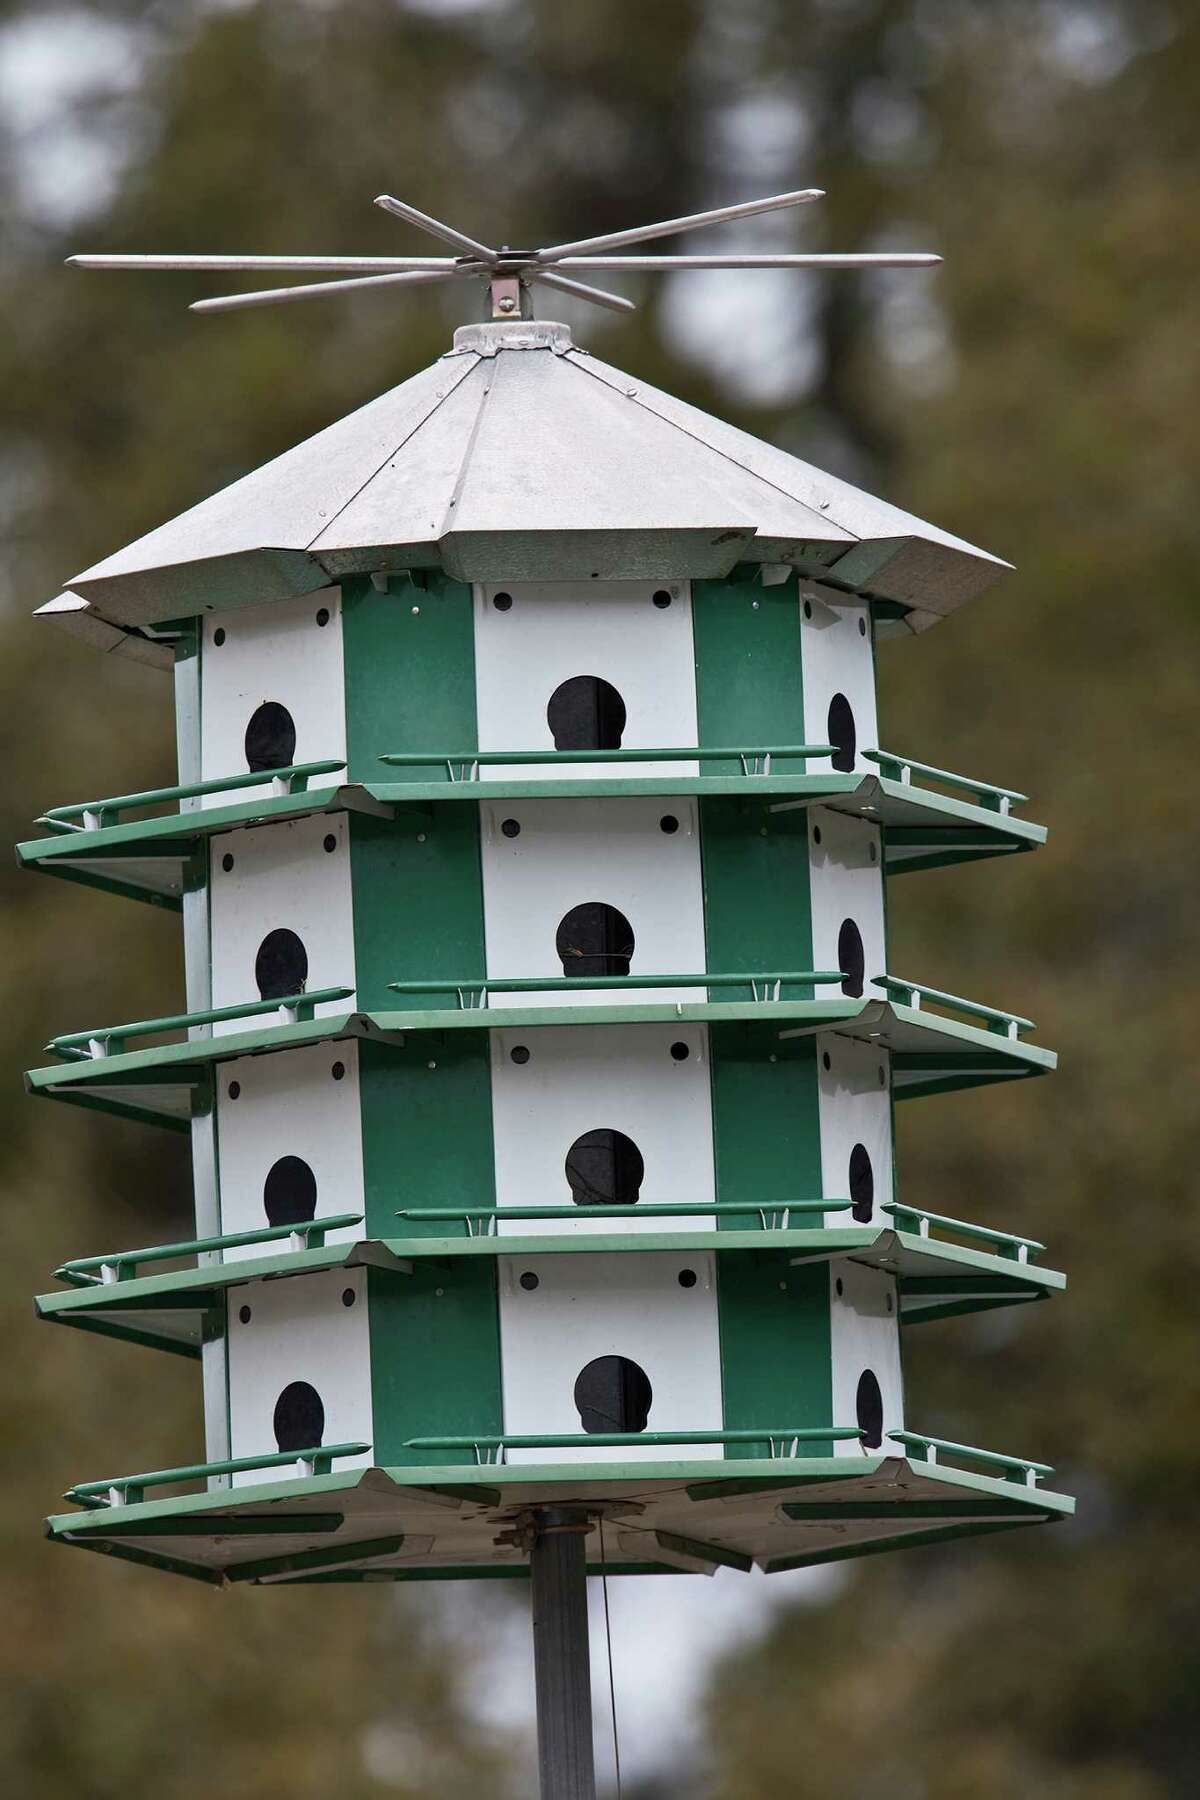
[435,1358]
[410,671]
[776,1363]
[755,871]
[747,642]
[427,1131]
[418,903]
[766,1137]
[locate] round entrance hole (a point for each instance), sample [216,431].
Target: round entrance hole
[270,738]
[299,1417]
[868,1407]
[281,966]
[613,1394]
[586,713]
[605,1168]
[594,939]
[290,1192]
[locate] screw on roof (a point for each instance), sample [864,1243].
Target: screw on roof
[509,273]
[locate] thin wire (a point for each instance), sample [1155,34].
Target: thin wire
[612,1690]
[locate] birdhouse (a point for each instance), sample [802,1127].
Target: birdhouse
[541,1046]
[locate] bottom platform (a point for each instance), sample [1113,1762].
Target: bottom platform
[457,1521]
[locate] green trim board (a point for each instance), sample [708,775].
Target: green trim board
[152,857]
[453,1518]
[906,1031]
[177,1310]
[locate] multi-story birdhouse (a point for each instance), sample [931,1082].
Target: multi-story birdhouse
[541,1043]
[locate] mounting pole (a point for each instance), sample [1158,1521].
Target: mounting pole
[561,1663]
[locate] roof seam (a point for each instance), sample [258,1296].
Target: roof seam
[453,386]
[578,358]
[464,467]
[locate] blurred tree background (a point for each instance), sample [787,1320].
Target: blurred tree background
[1037,394]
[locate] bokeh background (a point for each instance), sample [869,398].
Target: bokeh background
[1038,395]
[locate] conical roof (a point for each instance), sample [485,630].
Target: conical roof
[517,457]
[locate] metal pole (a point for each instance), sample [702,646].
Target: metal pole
[561,1664]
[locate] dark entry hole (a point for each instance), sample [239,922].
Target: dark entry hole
[322,615]
[338,1071]
[281,966]
[868,1406]
[529,1281]
[511,828]
[842,733]
[862,1183]
[270,738]
[519,1053]
[586,713]
[668,823]
[594,939]
[219,636]
[613,1394]
[290,1192]
[329,842]
[851,959]
[502,602]
[348,1296]
[605,1168]
[244,1314]
[299,1417]
[680,1052]
[661,598]
[227,862]
[688,1278]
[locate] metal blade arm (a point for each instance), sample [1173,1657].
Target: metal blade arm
[272,264]
[400,209]
[867,259]
[611,240]
[584,291]
[317,290]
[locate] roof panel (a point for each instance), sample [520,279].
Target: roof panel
[518,456]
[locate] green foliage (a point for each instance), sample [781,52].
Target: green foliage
[1050,151]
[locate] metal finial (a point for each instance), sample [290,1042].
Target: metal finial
[508,273]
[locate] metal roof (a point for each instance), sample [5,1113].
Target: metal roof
[517,456]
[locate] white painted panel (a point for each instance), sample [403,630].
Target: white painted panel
[836,658]
[846,882]
[299,1330]
[854,1107]
[282,876]
[555,630]
[573,851]
[616,1077]
[291,1103]
[590,1306]
[865,1334]
[276,652]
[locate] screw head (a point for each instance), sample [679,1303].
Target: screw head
[507,304]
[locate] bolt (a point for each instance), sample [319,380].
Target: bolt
[507,304]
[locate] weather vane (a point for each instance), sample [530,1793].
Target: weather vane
[509,274]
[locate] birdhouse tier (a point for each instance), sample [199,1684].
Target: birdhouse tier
[541,1050]
[408,699]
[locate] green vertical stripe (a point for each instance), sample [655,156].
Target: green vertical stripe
[747,643]
[410,671]
[776,1363]
[435,1357]
[418,901]
[756,888]
[426,1130]
[766,1135]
